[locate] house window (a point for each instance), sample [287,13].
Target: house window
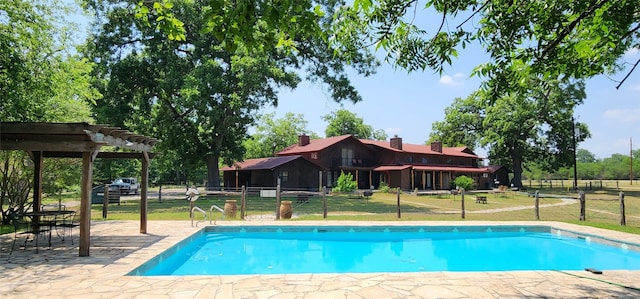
[347,157]
[283,175]
[485,175]
[314,156]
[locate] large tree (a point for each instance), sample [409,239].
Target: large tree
[538,126]
[572,39]
[199,95]
[343,121]
[41,78]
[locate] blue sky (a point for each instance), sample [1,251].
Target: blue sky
[406,104]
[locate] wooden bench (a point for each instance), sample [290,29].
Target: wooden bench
[481,199]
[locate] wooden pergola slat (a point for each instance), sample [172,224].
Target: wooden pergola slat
[78,140]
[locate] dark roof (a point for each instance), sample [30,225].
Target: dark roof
[271,163]
[422,149]
[314,145]
[263,163]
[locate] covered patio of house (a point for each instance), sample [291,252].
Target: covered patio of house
[78,140]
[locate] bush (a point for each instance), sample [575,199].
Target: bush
[384,187]
[463,182]
[345,183]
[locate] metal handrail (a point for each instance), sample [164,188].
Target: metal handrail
[204,214]
[211,211]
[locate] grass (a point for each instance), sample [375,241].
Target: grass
[603,207]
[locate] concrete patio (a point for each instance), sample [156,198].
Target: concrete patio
[117,248]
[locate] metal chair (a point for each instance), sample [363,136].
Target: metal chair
[23,227]
[68,222]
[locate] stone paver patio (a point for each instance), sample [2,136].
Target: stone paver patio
[117,247]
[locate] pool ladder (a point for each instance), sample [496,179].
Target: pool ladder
[204,214]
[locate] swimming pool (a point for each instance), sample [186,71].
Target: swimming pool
[235,250]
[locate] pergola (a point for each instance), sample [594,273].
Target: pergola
[78,140]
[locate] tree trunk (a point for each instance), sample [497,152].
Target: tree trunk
[213,173]
[517,170]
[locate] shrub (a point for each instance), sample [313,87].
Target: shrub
[464,182]
[384,187]
[345,183]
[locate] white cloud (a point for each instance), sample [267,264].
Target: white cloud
[631,115]
[454,80]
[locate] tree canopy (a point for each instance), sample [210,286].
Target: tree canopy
[197,94]
[537,127]
[41,78]
[274,134]
[342,122]
[555,40]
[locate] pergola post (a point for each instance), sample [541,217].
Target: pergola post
[37,158]
[85,204]
[144,186]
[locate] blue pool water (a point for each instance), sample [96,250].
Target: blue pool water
[282,250]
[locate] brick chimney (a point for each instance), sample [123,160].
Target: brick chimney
[396,142]
[436,146]
[303,140]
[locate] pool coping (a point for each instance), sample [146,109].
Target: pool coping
[117,248]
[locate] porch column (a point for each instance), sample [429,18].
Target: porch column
[413,179]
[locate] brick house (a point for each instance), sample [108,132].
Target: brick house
[408,166]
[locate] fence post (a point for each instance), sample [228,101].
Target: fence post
[160,193]
[623,219]
[398,204]
[462,200]
[105,201]
[278,200]
[583,206]
[243,201]
[324,202]
[537,205]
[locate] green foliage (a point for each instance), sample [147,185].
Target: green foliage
[384,187]
[201,95]
[463,182]
[343,122]
[536,125]
[40,77]
[615,167]
[273,135]
[15,183]
[345,183]
[573,39]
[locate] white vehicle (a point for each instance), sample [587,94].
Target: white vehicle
[127,185]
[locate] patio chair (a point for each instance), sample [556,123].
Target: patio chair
[69,221]
[23,227]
